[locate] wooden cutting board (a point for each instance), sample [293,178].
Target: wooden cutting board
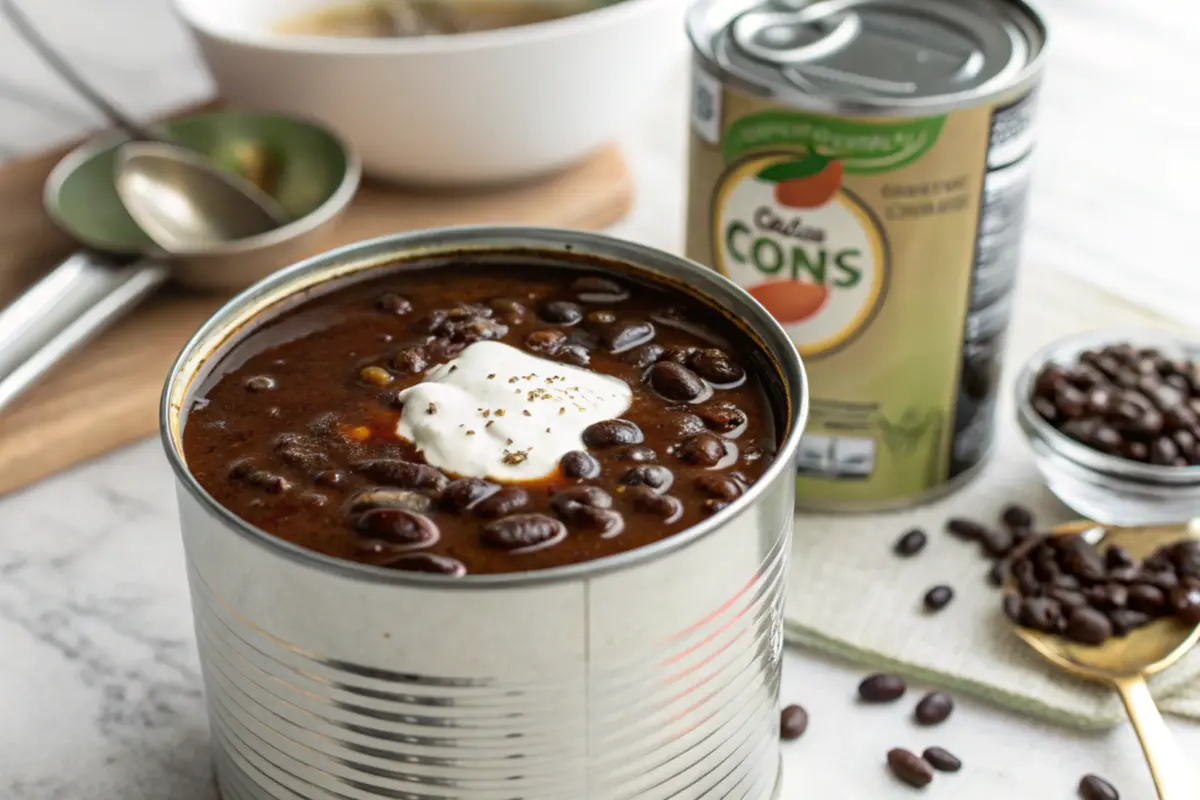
[106,394]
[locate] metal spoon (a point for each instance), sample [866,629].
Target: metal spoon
[1125,663]
[182,205]
[29,32]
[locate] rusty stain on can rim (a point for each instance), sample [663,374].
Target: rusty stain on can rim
[481,242]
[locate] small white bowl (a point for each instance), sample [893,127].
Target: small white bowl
[1101,487]
[472,108]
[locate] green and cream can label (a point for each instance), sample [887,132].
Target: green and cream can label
[887,248]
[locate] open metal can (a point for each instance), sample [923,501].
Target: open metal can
[651,674]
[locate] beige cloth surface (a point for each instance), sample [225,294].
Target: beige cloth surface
[850,595]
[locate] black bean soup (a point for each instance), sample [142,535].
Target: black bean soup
[295,430]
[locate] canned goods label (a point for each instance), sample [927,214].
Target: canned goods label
[887,249]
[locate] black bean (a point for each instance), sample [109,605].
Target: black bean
[1185,602]
[942,759]
[966,529]
[1093,787]
[1027,581]
[310,461]
[391,532]
[722,417]
[1041,614]
[605,521]
[545,342]
[625,335]
[268,481]
[1186,557]
[938,597]
[574,354]
[636,453]
[393,303]
[655,477]
[388,497]
[909,767]
[934,708]
[910,543]
[1016,516]
[716,367]
[1125,620]
[261,383]
[404,474]
[1147,598]
[1013,606]
[882,688]
[646,500]
[579,465]
[1068,599]
[431,563]
[1081,559]
[643,356]
[676,382]
[999,572]
[522,533]
[997,542]
[1088,626]
[410,360]
[502,503]
[612,432]
[703,449]
[712,506]
[592,496]
[591,289]
[718,486]
[462,494]
[560,312]
[1116,556]
[680,354]
[508,309]
[793,722]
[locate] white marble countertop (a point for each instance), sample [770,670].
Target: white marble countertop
[99,689]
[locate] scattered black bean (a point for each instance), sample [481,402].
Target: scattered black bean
[388,497]
[966,529]
[910,543]
[938,598]
[909,767]
[393,303]
[643,356]
[1093,787]
[722,417]
[404,474]
[1088,626]
[545,342]
[1017,517]
[718,486]
[716,367]
[621,336]
[793,722]
[634,453]
[942,759]
[882,688]
[934,708]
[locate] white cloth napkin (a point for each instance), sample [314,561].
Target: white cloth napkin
[849,594]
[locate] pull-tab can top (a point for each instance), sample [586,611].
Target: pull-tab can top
[871,56]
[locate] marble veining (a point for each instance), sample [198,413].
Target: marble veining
[100,694]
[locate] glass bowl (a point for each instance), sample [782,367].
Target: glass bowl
[1102,487]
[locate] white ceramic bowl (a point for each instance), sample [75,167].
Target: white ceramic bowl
[469,108]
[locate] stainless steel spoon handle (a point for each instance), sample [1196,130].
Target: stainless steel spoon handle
[78,299]
[1172,776]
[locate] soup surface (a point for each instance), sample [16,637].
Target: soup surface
[489,419]
[383,19]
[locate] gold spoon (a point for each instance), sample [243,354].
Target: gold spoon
[1125,663]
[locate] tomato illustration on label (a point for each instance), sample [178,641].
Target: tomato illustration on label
[806,248]
[810,182]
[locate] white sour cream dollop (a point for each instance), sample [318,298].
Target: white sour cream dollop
[498,412]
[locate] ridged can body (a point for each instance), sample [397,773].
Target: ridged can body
[653,674]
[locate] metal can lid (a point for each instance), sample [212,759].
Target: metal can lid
[898,54]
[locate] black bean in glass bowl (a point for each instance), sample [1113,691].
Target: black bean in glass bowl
[1113,420]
